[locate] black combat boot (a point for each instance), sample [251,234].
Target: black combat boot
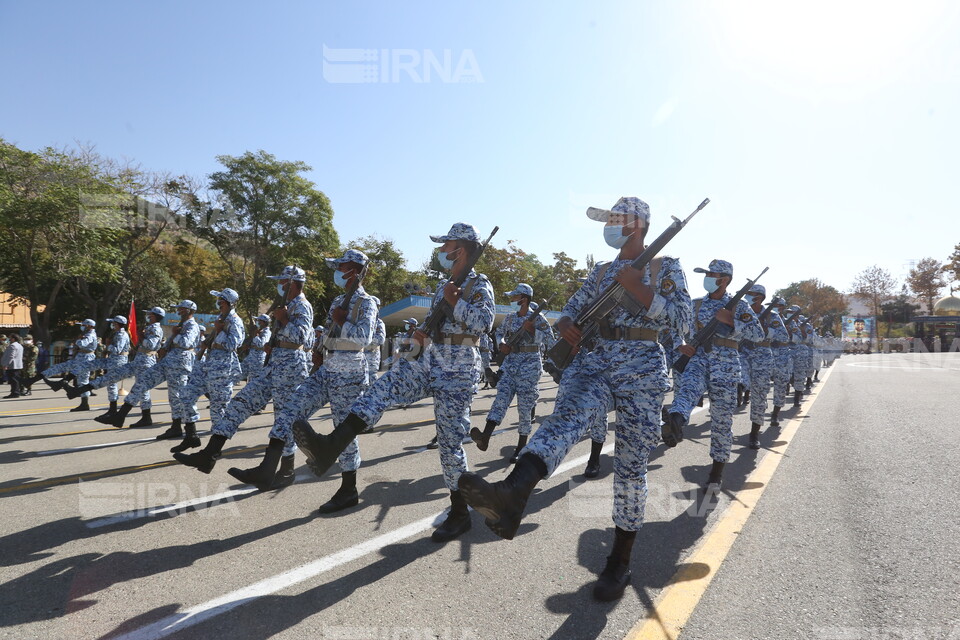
[775,417]
[616,575]
[672,429]
[457,521]
[816,375]
[29,382]
[76,392]
[145,419]
[83,406]
[533,413]
[796,398]
[262,475]
[713,480]
[190,439]
[345,497]
[112,411]
[593,464]
[322,451]
[754,436]
[809,384]
[116,420]
[205,459]
[433,444]
[521,443]
[286,474]
[502,503]
[746,397]
[482,438]
[56,385]
[739,395]
[174,432]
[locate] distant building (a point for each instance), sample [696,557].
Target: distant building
[13,317]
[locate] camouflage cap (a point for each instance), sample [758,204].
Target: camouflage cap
[119,320]
[717,266]
[263,318]
[350,255]
[157,311]
[628,205]
[522,289]
[459,231]
[291,272]
[87,323]
[186,304]
[227,294]
[758,289]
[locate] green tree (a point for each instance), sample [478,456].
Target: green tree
[875,286]
[953,265]
[926,281]
[900,309]
[260,214]
[820,302]
[387,273]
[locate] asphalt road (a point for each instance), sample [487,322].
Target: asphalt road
[94,558]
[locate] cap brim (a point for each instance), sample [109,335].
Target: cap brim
[333,263]
[440,239]
[700,270]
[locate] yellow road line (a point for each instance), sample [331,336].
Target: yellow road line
[45,410]
[682,594]
[93,475]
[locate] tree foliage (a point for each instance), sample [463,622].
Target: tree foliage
[926,281]
[824,304]
[874,285]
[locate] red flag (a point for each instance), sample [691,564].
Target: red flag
[132,327]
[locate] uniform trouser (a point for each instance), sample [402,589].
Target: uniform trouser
[108,364]
[176,378]
[782,370]
[519,376]
[409,381]
[341,389]
[252,365]
[288,368]
[744,370]
[214,379]
[582,403]
[135,367]
[719,373]
[801,365]
[760,362]
[78,366]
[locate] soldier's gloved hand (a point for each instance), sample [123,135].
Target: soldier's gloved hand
[687,350]
[725,316]
[568,330]
[452,293]
[632,280]
[339,315]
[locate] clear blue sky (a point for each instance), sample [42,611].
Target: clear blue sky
[825,133]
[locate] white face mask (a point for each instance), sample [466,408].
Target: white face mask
[710,284]
[280,290]
[445,260]
[613,236]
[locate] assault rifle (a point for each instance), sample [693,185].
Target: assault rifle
[514,339]
[442,309]
[704,337]
[614,297]
[280,301]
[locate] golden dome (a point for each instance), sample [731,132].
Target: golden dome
[949,306]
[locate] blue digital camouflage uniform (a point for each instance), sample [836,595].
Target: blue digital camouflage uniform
[449,372]
[175,367]
[344,374]
[85,347]
[288,367]
[485,347]
[115,358]
[801,356]
[782,357]
[253,364]
[145,359]
[633,373]
[216,373]
[372,352]
[717,372]
[759,358]
[520,372]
